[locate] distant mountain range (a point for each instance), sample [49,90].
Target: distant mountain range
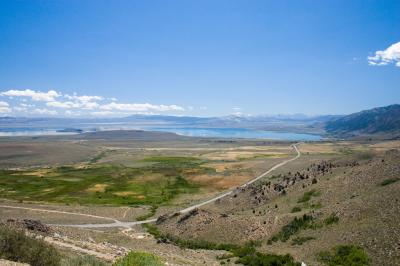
[381,120]
[267,122]
[384,121]
[285,123]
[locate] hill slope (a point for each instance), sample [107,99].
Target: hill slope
[381,120]
[350,199]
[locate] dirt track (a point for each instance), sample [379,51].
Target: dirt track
[117,223]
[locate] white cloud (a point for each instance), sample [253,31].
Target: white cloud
[140,107]
[84,98]
[70,105]
[4,108]
[66,105]
[44,111]
[102,113]
[75,101]
[34,95]
[89,105]
[46,103]
[387,56]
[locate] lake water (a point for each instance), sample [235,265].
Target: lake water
[184,131]
[240,133]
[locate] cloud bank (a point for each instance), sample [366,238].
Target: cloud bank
[34,95]
[56,103]
[390,55]
[140,107]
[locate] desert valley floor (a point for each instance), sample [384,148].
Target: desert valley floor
[336,193]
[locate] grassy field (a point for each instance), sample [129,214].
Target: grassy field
[128,172]
[151,175]
[157,181]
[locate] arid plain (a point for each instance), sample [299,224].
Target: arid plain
[342,190]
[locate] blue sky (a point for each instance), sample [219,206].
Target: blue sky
[206,58]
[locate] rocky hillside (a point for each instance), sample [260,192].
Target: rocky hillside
[306,212]
[381,120]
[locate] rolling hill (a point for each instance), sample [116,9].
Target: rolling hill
[376,121]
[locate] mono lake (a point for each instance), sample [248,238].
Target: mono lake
[239,133]
[184,131]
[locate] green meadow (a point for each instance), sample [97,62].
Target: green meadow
[156,181]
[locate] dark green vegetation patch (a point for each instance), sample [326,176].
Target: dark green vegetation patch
[297,224]
[105,184]
[16,246]
[389,181]
[301,240]
[345,255]
[307,196]
[296,209]
[139,259]
[247,254]
[331,219]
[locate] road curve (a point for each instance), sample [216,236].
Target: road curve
[245,184]
[118,223]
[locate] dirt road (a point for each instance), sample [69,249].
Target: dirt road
[117,223]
